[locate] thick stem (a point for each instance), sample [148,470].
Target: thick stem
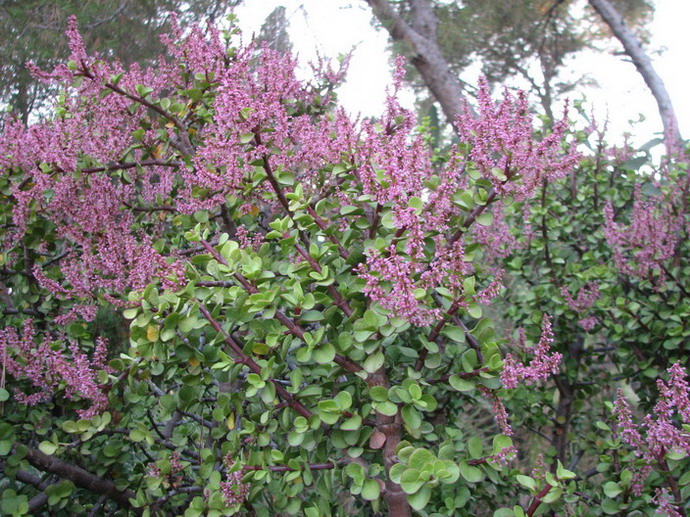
[391,427]
[536,502]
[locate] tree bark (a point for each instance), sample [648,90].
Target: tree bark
[633,48]
[391,427]
[420,35]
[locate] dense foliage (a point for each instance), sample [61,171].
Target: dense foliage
[224,295]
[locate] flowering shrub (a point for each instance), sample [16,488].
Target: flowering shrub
[617,298]
[305,296]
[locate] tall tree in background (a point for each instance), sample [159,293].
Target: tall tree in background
[530,39]
[32,31]
[416,24]
[632,44]
[274,31]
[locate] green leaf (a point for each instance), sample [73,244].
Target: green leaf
[6,447]
[343,400]
[527,482]
[420,499]
[410,481]
[387,408]
[137,435]
[378,393]
[48,448]
[4,395]
[371,490]
[311,316]
[419,458]
[553,495]
[610,507]
[130,314]
[500,442]
[471,473]
[684,479]
[324,354]
[454,333]
[474,310]
[563,473]
[245,138]
[373,362]
[352,424]
[485,218]
[612,489]
[355,471]
[411,417]
[461,384]
[475,447]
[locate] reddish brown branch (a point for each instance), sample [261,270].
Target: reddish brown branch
[242,358]
[536,502]
[292,327]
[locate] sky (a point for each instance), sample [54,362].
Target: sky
[333,27]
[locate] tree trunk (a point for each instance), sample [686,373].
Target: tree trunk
[391,427]
[420,35]
[633,48]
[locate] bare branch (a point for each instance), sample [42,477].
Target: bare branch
[80,477]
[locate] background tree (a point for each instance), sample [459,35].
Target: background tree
[615,19]
[32,31]
[274,31]
[528,39]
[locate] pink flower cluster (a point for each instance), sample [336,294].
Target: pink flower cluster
[246,241]
[396,165]
[500,413]
[234,490]
[642,247]
[497,240]
[586,298]
[666,506]
[398,271]
[254,117]
[104,253]
[543,364]
[659,432]
[503,145]
[47,367]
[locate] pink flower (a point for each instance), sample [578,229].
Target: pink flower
[503,144]
[46,368]
[543,363]
[642,247]
[659,432]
